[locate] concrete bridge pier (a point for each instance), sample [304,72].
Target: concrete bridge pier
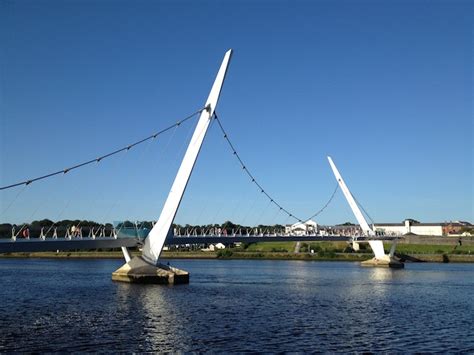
[380,258]
[146,268]
[138,270]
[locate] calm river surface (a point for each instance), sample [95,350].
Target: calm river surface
[231,305]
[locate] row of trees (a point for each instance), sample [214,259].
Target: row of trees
[35,227]
[225,228]
[48,225]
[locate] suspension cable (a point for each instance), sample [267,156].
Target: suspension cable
[126,148]
[326,205]
[262,190]
[13,201]
[363,209]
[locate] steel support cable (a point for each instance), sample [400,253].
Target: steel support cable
[13,201]
[98,159]
[66,206]
[262,190]
[274,218]
[199,215]
[250,210]
[101,197]
[116,201]
[183,149]
[326,205]
[214,220]
[98,198]
[137,162]
[44,202]
[221,204]
[157,162]
[40,204]
[260,217]
[363,209]
[232,216]
[181,153]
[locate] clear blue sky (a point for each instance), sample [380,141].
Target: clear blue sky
[384,87]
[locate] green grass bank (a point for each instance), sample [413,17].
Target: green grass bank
[317,251]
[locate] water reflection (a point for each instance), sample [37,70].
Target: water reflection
[159,323]
[381,274]
[239,306]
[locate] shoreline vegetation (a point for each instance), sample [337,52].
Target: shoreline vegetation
[317,251]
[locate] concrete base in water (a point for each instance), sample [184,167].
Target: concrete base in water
[388,262]
[138,270]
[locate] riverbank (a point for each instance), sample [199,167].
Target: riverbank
[314,251]
[193,255]
[236,255]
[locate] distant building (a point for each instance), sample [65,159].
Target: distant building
[217,246]
[299,228]
[214,247]
[456,227]
[410,226]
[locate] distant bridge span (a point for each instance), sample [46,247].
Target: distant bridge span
[37,245]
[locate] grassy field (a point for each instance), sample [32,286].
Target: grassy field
[290,247]
[339,247]
[284,251]
[271,247]
[432,249]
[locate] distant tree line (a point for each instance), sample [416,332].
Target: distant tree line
[226,228]
[35,227]
[61,226]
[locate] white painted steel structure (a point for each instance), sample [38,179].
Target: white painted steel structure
[350,199]
[156,239]
[376,245]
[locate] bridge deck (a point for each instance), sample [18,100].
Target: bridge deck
[36,244]
[258,239]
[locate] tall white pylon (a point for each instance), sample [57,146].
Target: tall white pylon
[157,236]
[350,199]
[376,245]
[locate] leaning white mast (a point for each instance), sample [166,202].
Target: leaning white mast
[146,268]
[350,199]
[380,259]
[157,236]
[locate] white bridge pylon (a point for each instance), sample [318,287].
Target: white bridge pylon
[157,236]
[375,245]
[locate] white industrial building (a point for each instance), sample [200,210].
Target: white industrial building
[299,228]
[410,226]
[214,247]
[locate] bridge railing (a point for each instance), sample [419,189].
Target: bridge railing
[256,232]
[62,232]
[94,232]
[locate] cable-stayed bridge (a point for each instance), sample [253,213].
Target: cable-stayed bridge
[147,268]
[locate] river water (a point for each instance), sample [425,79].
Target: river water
[51,305]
